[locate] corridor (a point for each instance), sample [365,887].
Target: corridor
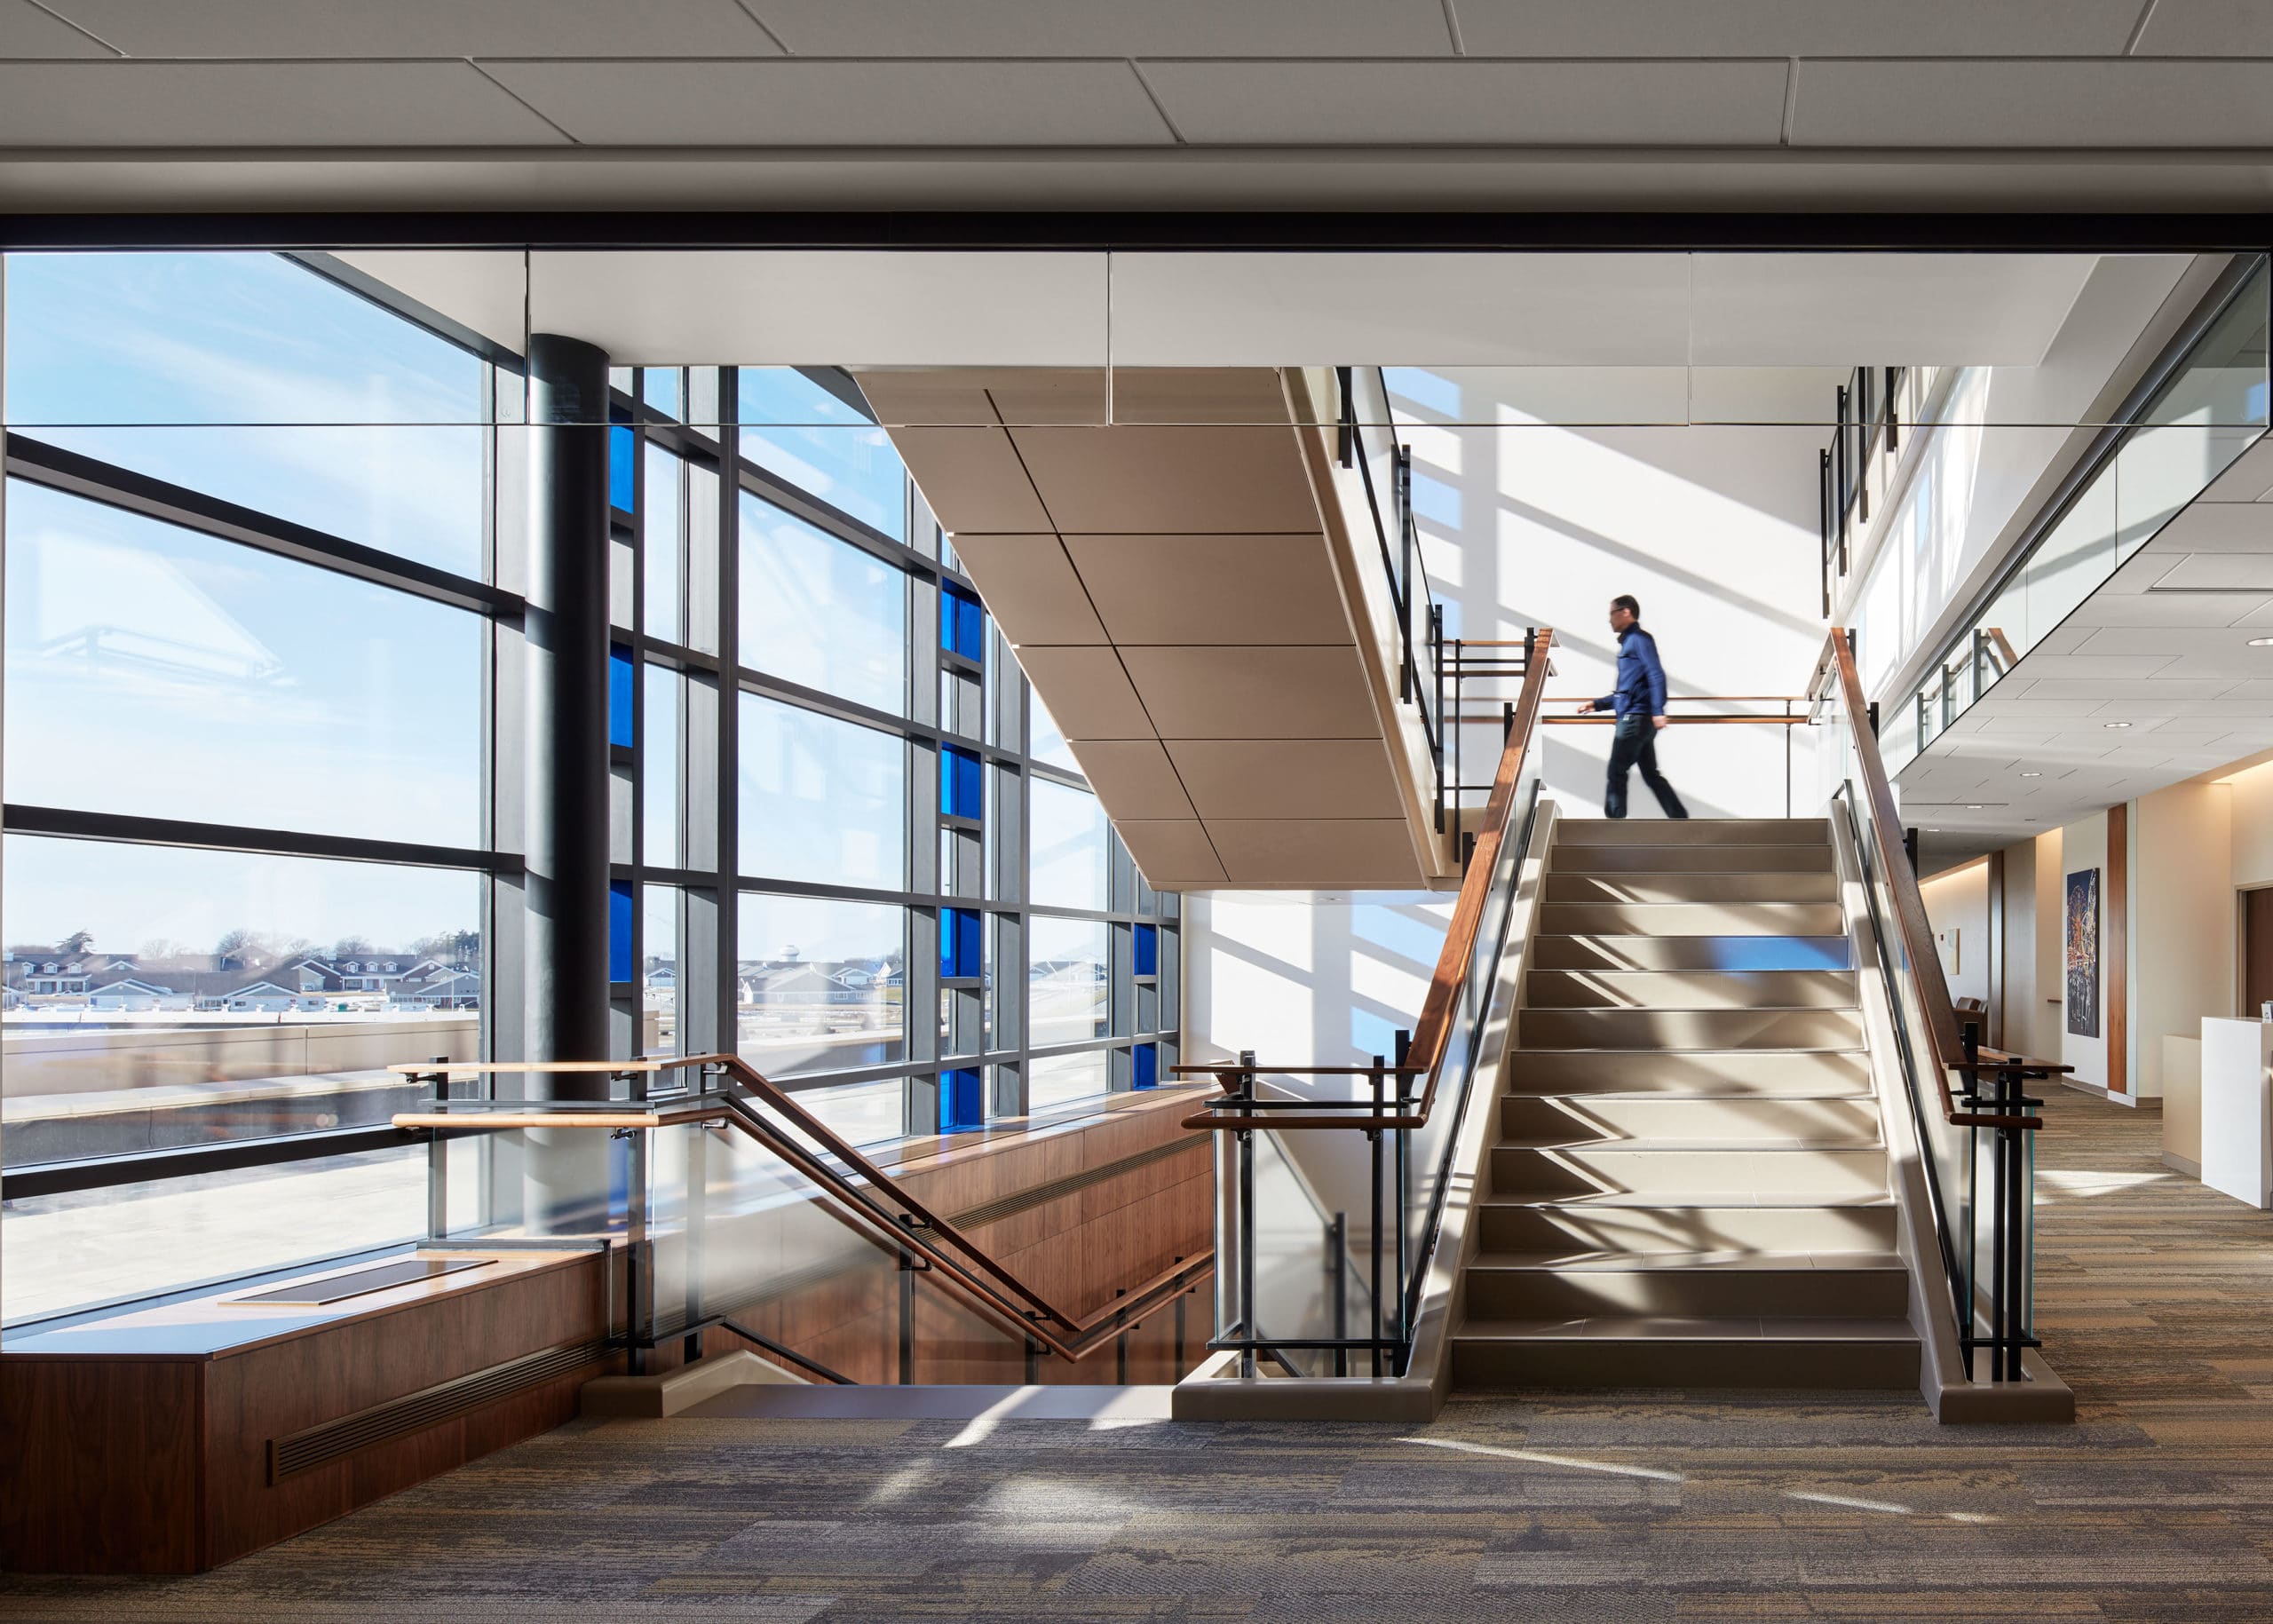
[2155,1506]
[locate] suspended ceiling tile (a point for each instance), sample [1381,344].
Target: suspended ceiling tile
[1473,101]
[791,102]
[1796,28]
[1139,480]
[824,308]
[2247,570]
[1030,588]
[1133,778]
[26,31]
[1214,393]
[1087,693]
[2123,102]
[2206,29]
[1401,310]
[1065,394]
[946,396]
[1230,692]
[2210,527]
[321,28]
[971,479]
[125,103]
[2107,688]
[1287,778]
[2080,667]
[2166,608]
[1316,852]
[1212,589]
[1111,27]
[1171,852]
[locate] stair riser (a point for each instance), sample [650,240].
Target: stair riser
[1705,1293]
[1674,989]
[1556,1073]
[1691,832]
[1692,859]
[1603,1362]
[1689,1029]
[1651,888]
[1775,1175]
[1580,1122]
[1751,955]
[1691,919]
[1686,1228]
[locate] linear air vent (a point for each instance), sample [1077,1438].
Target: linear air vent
[313,1446]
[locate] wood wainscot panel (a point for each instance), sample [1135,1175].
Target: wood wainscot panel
[100,1462]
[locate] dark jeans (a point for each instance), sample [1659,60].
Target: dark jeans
[1634,744]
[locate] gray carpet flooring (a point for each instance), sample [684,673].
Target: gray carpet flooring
[2156,1506]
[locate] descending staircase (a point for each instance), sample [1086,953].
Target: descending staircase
[1689,1188]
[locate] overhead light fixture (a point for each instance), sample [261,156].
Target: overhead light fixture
[2115,724]
[2260,642]
[1975,807]
[2031,775]
[1933,831]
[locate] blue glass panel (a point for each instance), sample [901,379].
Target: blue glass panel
[620,683]
[619,929]
[962,621]
[963,1106]
[622,458]
[961,788]
[1146,1069]
[959,954]
[1148,950]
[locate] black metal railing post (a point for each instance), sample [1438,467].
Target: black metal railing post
[1245,1136]
[1437,742]
[1374,1143]
[1337,1263]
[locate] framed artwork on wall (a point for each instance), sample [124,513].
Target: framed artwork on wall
[2080,936]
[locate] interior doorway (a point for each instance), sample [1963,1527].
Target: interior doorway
[2256,949]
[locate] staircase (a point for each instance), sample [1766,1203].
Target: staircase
[1689,1188]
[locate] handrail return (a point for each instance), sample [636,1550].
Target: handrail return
[1991,1097]
[724,1090]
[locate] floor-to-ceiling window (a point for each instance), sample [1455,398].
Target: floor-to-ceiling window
[262,723]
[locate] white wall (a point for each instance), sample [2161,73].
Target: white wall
[1978,476]
[1958,899]
[2050,1016]
[2182,911]
[1713,528]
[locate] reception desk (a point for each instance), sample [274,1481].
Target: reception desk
[2236,1113]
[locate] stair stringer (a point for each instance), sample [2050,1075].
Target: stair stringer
[1942,1378]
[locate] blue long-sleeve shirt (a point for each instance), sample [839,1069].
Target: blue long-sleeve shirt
[1640,679]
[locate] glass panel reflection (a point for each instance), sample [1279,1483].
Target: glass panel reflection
[821,799]
[819,985]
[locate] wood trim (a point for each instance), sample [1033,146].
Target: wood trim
[2115,948]
[1995,1017]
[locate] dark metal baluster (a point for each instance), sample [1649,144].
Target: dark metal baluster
[1245,1137]
[1373,1139]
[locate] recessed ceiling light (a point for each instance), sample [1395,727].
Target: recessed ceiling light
[1975,807]
[2115,724]
[1933,831]
[2260,642]
[2031,775]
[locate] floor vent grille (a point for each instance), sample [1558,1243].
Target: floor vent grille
[318,1446]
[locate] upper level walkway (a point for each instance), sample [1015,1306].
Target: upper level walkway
[1849,1506]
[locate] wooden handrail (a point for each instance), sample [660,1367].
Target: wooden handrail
[1074,1337]
[1432,1033]
[1945,1048]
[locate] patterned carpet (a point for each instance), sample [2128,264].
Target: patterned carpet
[2158,1506]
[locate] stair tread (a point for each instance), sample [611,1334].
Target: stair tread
[1603,1262]
[1794,1144]
[1673,1328]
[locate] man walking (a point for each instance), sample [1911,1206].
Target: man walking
[1639,702]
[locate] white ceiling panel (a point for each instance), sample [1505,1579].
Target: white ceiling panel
[2213,527]
[1287,310]
[484,290]
[27,31]
[120,103]
[1796,28]
[2207,28]
[1561,104]
[315,29]
[792,102]
[2164,609]
[2108,688]
[2099,666]
[2121,103]
[1805,310]
[824,308]
[1109,28]
[2199,570]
